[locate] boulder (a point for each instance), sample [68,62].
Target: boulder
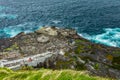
[67,32]
[48,31]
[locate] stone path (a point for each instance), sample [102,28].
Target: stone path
[30,60]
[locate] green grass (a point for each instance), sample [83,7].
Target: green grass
[13,47]
[46,74]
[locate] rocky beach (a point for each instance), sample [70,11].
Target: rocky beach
[66,50]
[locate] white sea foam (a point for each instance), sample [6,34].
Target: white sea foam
[110,37]
[12,31]
[56,21]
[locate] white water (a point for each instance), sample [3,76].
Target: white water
[110,37]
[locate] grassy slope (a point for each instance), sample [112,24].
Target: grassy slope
[45,74]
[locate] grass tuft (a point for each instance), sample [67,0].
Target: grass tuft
[46,74]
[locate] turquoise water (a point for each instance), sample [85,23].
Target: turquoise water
[96,20]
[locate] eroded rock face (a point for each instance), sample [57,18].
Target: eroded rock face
[67,32]
[43,39]
[69,51]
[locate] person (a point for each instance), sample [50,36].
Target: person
[30,59]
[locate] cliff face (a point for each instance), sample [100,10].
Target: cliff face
[68,51]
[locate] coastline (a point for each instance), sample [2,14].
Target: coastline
[71,51]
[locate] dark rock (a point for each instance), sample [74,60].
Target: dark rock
[114,73]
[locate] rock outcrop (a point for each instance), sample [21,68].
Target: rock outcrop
[43,39]
[48,31]
[70,51]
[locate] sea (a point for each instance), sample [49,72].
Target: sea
[95,20]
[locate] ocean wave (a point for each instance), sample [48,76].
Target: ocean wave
[56,21]
[111,37]
[1,8]
[12,31]
[8,16]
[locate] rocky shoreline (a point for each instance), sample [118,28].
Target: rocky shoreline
[71,51]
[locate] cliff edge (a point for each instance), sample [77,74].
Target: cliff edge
[67,50]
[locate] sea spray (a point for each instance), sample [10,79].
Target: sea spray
[110,37]
[12,31]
